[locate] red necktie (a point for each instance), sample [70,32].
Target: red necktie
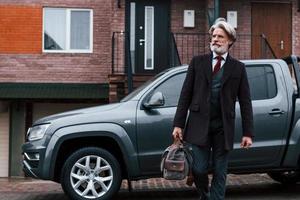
[217,66]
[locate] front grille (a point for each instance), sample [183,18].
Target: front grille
[33,164]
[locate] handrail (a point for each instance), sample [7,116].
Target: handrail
[112,53]
[128,64]
[268,44]
[121,59]
[183,46]
[175,58]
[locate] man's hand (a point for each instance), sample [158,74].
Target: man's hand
[177,133]
[246,142]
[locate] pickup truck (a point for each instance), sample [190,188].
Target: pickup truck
[90,151]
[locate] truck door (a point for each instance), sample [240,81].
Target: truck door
[270,110]
[155,126]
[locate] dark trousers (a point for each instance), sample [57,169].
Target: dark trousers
[201,158]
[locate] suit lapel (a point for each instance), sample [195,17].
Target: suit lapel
[208,68]
[228,69]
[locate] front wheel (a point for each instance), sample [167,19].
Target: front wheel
[91,173]
[287,177]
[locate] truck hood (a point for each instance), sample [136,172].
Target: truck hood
[94,109]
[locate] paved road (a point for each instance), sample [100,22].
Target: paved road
[246,187]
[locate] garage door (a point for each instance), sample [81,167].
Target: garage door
[4,144]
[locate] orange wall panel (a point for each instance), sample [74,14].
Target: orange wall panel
[21,29]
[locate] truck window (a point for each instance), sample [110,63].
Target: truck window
[171,89]
[262,81]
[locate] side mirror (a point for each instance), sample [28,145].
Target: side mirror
[155,100]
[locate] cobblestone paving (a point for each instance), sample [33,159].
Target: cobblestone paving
[246,187]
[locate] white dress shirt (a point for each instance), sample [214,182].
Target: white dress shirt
[215,60]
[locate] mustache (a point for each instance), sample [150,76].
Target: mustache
[215,44]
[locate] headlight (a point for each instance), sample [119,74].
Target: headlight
[37,132]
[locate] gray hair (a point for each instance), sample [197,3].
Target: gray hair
[225,26]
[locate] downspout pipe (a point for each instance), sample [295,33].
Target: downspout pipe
[217,9]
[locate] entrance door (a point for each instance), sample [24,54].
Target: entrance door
[149,35]
[274,20]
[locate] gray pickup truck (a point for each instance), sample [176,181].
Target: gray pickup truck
[90,151]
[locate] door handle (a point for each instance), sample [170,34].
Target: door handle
[276,111]
[142,41]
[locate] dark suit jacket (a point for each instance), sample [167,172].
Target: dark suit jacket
[195,96]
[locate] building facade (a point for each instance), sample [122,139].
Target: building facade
[60,55]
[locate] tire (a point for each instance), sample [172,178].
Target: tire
[91,173]
[287,177]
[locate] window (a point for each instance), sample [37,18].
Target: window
[68,30]
[149,37]
[171,89]
[262,82]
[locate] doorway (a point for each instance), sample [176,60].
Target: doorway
[274,20]
[148,25]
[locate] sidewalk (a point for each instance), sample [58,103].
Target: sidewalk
[34,185]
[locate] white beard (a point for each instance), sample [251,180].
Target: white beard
[219,50]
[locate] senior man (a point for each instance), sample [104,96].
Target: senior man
[212,84]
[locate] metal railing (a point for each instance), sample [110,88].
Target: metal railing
[183,46]
[121,60]
[191,44]
[118,53]
[266,49]
[174,55]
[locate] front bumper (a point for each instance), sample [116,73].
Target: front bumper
[28,170]
[33,157]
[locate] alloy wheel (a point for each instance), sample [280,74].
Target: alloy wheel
[91,176]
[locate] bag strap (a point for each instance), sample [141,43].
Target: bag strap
[188,155]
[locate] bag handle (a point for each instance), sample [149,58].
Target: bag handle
[178,142]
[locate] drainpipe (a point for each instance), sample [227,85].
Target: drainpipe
[213,11]
[217,9]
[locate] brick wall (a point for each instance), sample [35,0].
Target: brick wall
[242,47]
[94,68]
[296,28]
[65,67]
[177,9]
[244,26]
[186,43]
[118,16]
[20,29]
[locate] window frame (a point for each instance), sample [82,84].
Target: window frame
[68,31]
